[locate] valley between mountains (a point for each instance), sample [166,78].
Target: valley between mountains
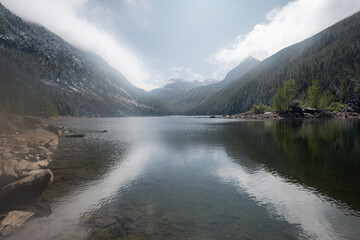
[43,75]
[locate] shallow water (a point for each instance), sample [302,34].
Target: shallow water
[201,178]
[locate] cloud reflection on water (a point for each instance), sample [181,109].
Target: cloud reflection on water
[318,216]
[68,211]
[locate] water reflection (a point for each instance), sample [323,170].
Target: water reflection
[181,198]
[179,178]
[323,155]
[90,197]
[318,216]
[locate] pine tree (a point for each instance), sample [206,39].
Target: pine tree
[313,94]
[290,89]
[284,96]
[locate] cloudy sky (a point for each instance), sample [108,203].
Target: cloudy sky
[151,41]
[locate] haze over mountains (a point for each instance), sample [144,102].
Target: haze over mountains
[40,74]
[183,96]
[176,88]
[39,71]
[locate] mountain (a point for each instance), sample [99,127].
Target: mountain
[332,56]
[182,96]
[175,89]
[240,70]
[41,74]
[201,94]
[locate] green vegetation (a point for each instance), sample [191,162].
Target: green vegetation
[313,95]
[284,96]
[331,56]
[53,112]
[326,99]
[260,108]
[336,106]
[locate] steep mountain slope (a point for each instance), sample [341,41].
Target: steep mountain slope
[42,74]
[332,56]
[181,96]
[240,70]
[200,94]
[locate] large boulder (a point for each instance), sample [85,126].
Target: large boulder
[35,178]
[13,170]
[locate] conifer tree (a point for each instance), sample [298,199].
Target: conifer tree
[313,94]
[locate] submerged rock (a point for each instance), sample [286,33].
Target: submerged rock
[80,135]
[13,220]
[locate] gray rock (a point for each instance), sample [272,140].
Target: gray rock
[8,172]
[24,165]
[310,110]
[13,220]
[2,151]
[41,177]
[32,151]
[44,152]
[43,164]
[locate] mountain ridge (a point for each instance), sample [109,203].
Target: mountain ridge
[39,70]
[175,89]
[332,56]
[41,74]
[181,102]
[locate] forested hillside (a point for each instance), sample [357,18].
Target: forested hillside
[41,74]
[331,56]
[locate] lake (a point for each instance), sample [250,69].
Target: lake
[202,178]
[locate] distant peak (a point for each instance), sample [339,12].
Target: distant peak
[175,80]
[250,58]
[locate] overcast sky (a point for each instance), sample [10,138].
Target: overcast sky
[151,41]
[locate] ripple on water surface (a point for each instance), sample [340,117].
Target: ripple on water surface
[197,178]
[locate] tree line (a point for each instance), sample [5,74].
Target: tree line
[288,97]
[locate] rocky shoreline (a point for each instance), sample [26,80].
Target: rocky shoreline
[26,146]
[298,114]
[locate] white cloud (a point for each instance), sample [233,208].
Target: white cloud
[285,26]
[185,73]
[60,17]
[177,69]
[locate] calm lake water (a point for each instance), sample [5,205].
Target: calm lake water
[202,178]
